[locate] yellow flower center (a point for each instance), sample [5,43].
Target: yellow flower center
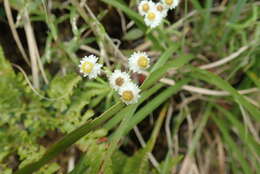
[128,95]
[169,2]
[159,8]
[119,81]
[151,16]
[143,62]
[87,67]
[145,7]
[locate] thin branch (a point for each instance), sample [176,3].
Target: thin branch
[113,49]
[221,155]
[101,35]
[205,91]
[90,50]
[30,42]
[123,20]
[167,128]
[143,144]
[249,124]
[34,51]
[34,90]
[226,59]
[14,32]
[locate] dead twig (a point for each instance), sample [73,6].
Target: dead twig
[14,32]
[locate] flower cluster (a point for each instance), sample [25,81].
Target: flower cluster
[118,80]
[155,12]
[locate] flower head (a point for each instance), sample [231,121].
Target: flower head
[144,6]
[129,93]
[153,18]
[171,4]
[162,8]
[138,62]
[118,79]
[89,66]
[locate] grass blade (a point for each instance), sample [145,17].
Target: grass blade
[232,146]
[70,139]
[160,71]
[216,80]
[154,103]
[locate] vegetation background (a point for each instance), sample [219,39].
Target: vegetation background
[199,110]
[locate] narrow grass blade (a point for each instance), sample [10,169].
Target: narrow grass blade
[70,139]
[232,146]
[196,4]
[154,103]
[199,130]
[247,138]
[130,110]
[118,117]
[233,18]
[160,71]
[165,57]
[216,80]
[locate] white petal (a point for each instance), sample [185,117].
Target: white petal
[96,67]
[140,6]
[134,89]
[133,62]
[173,5]
[157,21]
[115,75]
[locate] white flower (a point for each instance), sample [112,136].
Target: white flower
[129,93]
[118,79]
[153,18]
[171,4]
[138,62]
[89,66]
[144,6]
[162,8]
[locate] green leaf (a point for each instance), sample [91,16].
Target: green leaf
[61,88]
[133,34]
[118,162]
[253,76]
[61,85]
[165,57]
[133,163]
[169,163]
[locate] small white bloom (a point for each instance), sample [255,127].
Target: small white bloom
[129,93]
[171,4]
[118,79]
[144,6]
[89,66]
[153,18]
[162,8]
[138,62]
